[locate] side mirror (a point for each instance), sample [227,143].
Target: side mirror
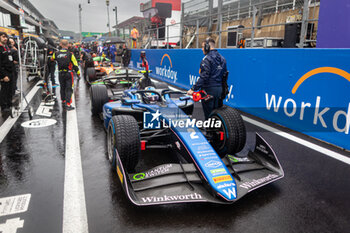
[131,102]
[184,98]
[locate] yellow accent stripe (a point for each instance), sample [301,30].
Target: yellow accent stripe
[166,55]
[120,175]
[320,70]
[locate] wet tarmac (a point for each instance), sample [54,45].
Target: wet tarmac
[312,197]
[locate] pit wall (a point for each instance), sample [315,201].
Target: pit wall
[306,90]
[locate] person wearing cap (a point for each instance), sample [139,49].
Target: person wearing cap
[134,36]
[67,63]
[6,73]
[212,72]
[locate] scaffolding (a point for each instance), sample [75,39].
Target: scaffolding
[258,19]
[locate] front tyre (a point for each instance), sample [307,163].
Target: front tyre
[98,97]
[91,74]
[123,137]
[231,137]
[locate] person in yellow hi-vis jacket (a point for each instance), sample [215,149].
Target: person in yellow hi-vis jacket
[66,64]
[134,36]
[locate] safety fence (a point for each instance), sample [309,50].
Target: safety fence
[261,23]
[304,90]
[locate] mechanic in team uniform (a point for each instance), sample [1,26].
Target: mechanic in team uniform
[6,73]
[100,49]
[126,55]
[14,52]
[66,64]
[94,47]
[87,62]
[134,34]
[112,52]
[106,51]
[213,73]
[51,67]
[145,81]
[76,52]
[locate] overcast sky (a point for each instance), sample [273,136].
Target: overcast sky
[94,15]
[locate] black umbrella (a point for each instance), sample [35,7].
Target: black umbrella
[114,40]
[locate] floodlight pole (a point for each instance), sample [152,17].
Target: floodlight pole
[80,24]
[109,25]
[116,20]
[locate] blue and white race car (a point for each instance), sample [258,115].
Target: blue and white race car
[203,166]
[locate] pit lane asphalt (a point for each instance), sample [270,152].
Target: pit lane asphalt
[312,197]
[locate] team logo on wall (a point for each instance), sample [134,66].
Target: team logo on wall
[165,70]
[328,118]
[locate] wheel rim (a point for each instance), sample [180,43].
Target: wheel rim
[216,142]
[110,144]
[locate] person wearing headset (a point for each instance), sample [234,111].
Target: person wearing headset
[212,71]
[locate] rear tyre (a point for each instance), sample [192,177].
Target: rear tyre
[91,74]
[233,130]
[123,137]
[98,97]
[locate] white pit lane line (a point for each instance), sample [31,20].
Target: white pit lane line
[300,141]
[7,125]
[74,205]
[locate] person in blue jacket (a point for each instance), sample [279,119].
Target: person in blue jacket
[100,49]
[106,50]
[112,52]
[212,70]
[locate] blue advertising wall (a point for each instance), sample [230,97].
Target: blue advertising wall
[307,90]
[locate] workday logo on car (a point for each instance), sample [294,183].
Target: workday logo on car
[151,120]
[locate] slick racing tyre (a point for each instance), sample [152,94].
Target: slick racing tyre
[230,138]
[91,74]
[123,137]
[98,97]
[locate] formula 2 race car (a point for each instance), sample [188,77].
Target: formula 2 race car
[102,67]
[203,165]
[112,86]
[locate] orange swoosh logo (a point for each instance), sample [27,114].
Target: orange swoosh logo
[321,70]
[166,55]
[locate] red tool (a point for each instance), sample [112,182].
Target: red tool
[201,95]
